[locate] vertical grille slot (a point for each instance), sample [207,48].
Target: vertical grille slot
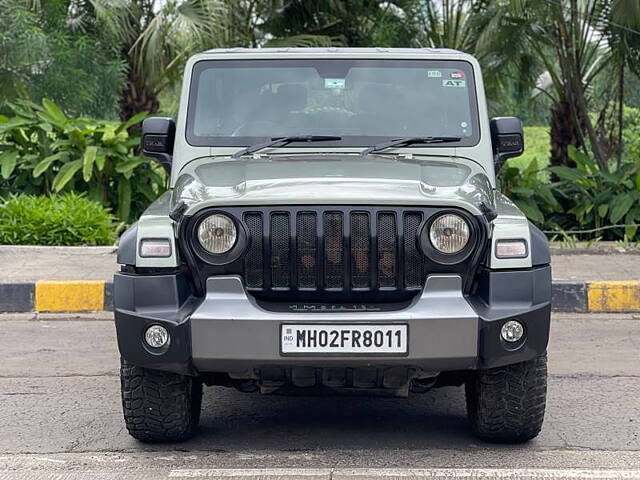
[412,257]
[253,273]
[307,255]
[280,250]
[387,235]
[333,249]
[360,250]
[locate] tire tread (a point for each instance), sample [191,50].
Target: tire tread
[507,404]
[159,406]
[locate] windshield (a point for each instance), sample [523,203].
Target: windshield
[242,102]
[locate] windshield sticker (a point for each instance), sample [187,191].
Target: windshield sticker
[334,83]
[454,83]
[457,74]
[434,73]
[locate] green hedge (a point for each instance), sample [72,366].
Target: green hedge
[67,219]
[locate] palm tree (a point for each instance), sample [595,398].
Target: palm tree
[572,39]
[354,23]
[245,20]
[156,38]
[476,27]
[449,24]
[623,36]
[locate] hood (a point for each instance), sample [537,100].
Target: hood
[333,179]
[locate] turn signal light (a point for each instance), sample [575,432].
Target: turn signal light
[155,248]
[511,249]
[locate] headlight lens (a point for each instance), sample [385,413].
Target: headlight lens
[217,234]
[449,233]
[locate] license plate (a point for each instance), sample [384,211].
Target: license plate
[344,339]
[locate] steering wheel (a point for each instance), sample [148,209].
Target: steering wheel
[248,129]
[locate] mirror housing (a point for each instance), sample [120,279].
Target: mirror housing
[507,138]
[158,135]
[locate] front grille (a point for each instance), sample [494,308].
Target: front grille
[333,251]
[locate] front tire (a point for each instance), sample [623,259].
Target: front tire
[159,406]
[506,404]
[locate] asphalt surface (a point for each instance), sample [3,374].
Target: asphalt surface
[30,264]
[60,416]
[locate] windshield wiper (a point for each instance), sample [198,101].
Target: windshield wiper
[281,141]
[401,142]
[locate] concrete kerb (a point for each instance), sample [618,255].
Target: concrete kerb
[97,295]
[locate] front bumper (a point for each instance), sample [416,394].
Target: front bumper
[229,332]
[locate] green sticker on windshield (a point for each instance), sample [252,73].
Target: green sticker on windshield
[334,83]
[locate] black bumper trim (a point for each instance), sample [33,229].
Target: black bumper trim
[502,295]
[135,311]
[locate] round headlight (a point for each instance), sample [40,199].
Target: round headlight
[449,233]
[217,234]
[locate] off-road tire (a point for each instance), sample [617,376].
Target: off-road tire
[159,406]
[506,404]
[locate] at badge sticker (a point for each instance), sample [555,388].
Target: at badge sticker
[434,73]
[454,83]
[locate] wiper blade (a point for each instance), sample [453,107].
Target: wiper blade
[281,141]
[401,142]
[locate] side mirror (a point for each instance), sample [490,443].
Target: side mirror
[158,135]
[507,138]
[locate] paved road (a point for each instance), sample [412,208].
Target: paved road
[60,417]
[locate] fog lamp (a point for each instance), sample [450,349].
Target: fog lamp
[156,336]
[512,331]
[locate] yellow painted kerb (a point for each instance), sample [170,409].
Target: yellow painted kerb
[614,296]
[69,296]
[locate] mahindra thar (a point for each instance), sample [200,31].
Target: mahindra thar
[332,225]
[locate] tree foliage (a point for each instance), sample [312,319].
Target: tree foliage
[44,45]
[577,43]
[21,45]
[43,151]
[155,39]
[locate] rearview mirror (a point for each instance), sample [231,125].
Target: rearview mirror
[507,138]
[158,135]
